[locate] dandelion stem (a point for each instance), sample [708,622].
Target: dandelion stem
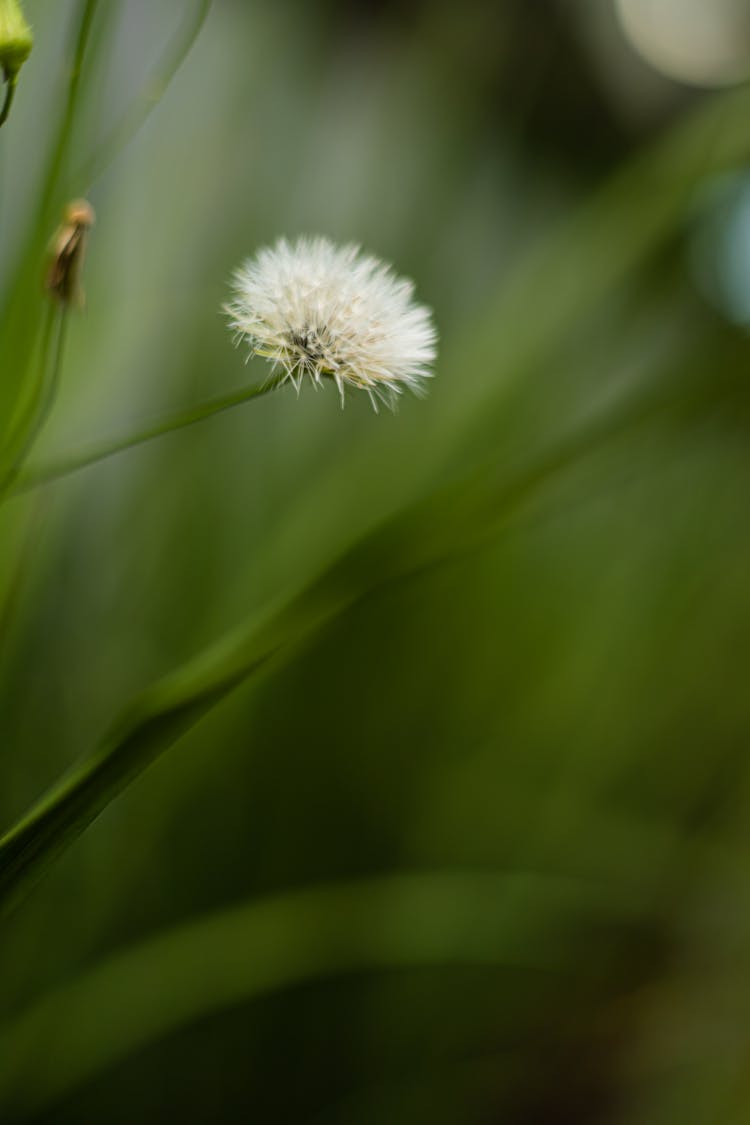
[10,89]
[20,316]
[71,463]
[35,409]
[50,384]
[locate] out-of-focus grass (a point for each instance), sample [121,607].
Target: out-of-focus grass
[453,920]
[567,699]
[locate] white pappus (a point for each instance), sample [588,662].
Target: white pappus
[327,312]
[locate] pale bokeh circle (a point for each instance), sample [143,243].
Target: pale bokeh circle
[700,42]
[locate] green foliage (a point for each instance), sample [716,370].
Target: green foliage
[452,823]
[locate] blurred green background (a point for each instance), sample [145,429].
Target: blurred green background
[476,852]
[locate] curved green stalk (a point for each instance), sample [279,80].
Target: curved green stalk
[34,409]
[404,921]
[19,552]
[21,309]
[48,390]
[10,90]
[148,99]
[16,42]
[22,312]
[64,466]
[446,526]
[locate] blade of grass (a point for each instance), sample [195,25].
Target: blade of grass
[445,526]
[148,98]
[235,956]
[60,149]
[19,537]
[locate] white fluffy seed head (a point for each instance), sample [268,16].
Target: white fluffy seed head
[326,312]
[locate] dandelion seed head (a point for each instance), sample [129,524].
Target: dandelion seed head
[319,311]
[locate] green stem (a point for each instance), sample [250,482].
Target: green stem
[35,408]
[71,463]
[10,89]
[19,319]
[49,387]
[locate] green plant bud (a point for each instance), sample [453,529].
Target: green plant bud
[16,39]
